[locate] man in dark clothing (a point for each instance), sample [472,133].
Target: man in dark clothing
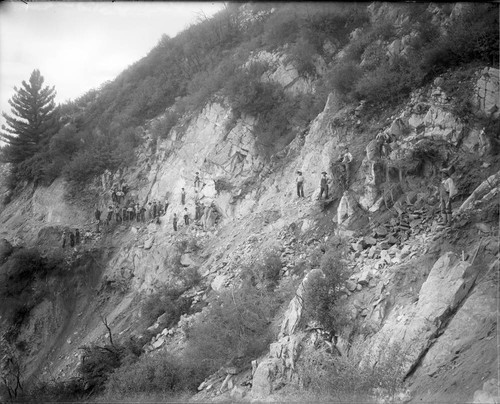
[155,210]
[77,236]
[124,214]
[166,207]
[186,217]
[118,216]
[300,184]
[97,214]
[197,215]
[175,221]
[71,239]
[183,196]
[323,186]
[143,214]
[137,209]
[110,215]
[130,212]
[197,180]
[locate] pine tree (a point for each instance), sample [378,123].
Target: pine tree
[33,120]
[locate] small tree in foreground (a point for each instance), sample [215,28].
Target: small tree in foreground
[323,292]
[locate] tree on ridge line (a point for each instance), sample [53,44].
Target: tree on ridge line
[33,120]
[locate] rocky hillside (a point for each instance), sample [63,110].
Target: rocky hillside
[417,303]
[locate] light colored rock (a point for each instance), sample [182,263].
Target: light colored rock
[441,123]
[293,314]
[487,92]
[277,367]
[158,343]
[364,277]
[446,286]
[350,285]
[218,283]
[490,184]
[384,256]
[149,243]
[187,261]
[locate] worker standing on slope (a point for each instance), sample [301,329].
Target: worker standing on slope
[300,184]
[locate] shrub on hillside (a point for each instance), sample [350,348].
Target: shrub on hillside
[473,36]
[235,328]
[348,377]
[168,302]
[156,373]
[301,55]
[322,293]
[281,27]
[390,82]
[264,271]
[162,127]
[343,77]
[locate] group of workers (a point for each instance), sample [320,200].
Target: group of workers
[380,148]
[345,163]
[129,210]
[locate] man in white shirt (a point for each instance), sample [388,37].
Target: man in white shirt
[346,161]
[447,190]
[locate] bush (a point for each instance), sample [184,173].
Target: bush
[302,56]
[350,377]
[389,83]
[234,330]
[323,291]
[167,301]
[156,373]
[472,36]
[265,271]
[343,77]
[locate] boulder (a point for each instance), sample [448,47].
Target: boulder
[187,261]
[384,256]
[373,252]
[158,343]
[381,231]
[218,283]
[365,277]
[149,243]
[370,240]
[350,285]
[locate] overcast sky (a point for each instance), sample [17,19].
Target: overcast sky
[78,46]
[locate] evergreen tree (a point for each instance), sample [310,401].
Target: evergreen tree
[33,120]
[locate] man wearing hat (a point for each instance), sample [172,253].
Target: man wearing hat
[197,180]
[300,184]
[323,185]
[447,191]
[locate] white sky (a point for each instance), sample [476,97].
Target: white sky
[78,46]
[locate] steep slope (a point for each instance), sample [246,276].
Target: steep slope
[428,289]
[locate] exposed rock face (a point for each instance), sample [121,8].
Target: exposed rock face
[277,367]
[446,286]
[486,97]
